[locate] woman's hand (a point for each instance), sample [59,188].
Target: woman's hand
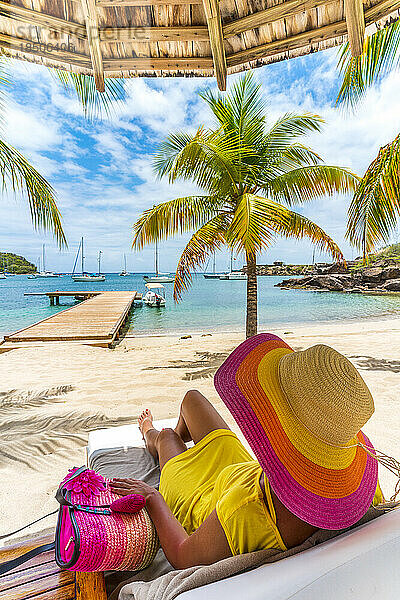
[124,487]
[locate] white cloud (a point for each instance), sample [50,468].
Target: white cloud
[29,130]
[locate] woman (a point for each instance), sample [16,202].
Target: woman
[301,413]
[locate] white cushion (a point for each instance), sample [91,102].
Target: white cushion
[363,563]
[122,437]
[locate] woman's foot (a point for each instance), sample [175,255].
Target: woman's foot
[145,422]
[149,433]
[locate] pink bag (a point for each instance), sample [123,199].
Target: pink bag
[100,531]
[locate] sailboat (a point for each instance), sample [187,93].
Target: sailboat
[124,272]
[159,277]
[44,274]
[87,276]
[213,275]
[233,275]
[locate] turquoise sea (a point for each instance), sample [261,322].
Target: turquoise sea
[209,305]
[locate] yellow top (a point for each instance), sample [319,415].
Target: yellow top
[218,473]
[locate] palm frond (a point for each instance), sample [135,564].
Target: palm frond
[313,181]
[375,208]
[173,217]
[249,229]
[241,110]
[381,54]
[289,224]
[95,104]
[209,159]
[208,239]
[12,399]
[289,127]
[15,171]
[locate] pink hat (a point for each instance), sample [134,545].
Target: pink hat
[302,413]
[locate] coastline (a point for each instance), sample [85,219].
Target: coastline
[44,433]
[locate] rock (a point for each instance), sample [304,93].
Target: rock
[291,282]
[372,275]
[393,285]
[326,282]
[391,273]
[334,268]
[185,337]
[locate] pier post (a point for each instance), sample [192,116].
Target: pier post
[57,300]
[51,300]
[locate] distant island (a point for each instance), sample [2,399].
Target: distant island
[13,263]
[381,275]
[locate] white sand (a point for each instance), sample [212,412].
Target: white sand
[41,442]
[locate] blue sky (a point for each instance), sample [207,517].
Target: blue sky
[102,170]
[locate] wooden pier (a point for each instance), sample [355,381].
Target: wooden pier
[97,321]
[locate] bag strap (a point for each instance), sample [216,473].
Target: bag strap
[60,492]
[3,537]
[16,562]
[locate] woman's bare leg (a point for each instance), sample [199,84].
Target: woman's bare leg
[164,444]
[197,418]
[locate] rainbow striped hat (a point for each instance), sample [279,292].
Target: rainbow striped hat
[302,413]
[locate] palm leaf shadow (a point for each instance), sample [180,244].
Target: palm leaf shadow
[369,363]
[202,367]
[13,399]
[28,438]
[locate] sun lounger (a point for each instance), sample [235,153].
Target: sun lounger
[363,561]
[360,563]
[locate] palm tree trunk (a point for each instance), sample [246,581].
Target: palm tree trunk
[251,314]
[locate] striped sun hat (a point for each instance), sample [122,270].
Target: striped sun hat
[301,413]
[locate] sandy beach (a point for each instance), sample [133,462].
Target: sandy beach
[51,397]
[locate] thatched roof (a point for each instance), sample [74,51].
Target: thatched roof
[127,38]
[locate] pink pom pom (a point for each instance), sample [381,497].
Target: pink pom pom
[128,504]
[88,482]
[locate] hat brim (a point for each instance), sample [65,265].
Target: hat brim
[327,486]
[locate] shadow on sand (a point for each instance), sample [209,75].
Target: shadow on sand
[204,365]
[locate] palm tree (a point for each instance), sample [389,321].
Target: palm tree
[18,175]
[375,209]
[251,175]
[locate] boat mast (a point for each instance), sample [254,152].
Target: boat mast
[99,260]
[82,257]
[231,261]
[214,264]
[156,258]
[44,260]
[125,262]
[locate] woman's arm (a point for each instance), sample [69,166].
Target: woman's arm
[205,546]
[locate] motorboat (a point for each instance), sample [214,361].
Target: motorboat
[158,277]
[154,297]
[84,276]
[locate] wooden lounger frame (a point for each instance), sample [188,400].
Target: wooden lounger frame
[42,579]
